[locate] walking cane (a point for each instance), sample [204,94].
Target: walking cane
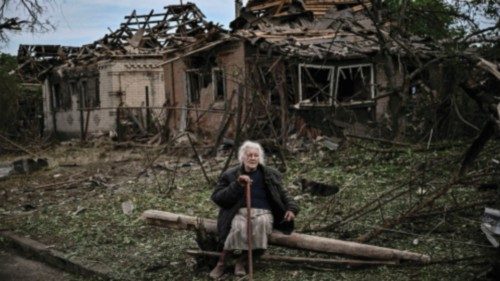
[249,230]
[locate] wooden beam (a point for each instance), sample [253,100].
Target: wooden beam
[294,240]
[301,260]
[264,6]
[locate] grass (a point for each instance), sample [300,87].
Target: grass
[102,233]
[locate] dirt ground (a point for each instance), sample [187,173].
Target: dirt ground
[88,202]
[17,268]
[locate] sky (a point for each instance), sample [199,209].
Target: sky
[81,22]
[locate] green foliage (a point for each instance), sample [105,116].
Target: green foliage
[103,234]
[426,18]
[9,92]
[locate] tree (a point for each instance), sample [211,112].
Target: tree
[9,92]
[426,18]
[20,104]
[460,34]
[16,15]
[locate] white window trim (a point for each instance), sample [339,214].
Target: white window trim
[331,89]
[372,82]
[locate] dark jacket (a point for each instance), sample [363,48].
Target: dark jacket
[229,195]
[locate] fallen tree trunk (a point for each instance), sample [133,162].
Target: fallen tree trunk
[289,259]
[294,240]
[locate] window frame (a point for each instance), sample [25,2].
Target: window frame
[331,89]
[371,84]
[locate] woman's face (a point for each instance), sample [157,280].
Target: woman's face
[251,159]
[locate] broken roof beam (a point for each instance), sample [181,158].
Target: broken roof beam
[44,52]
[335,2]
[203,48]
[151,14]
[320,8]
[142,23]
[258,7]
[37,50]
[361,7]
[179,10]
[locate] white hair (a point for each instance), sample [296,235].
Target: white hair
[247,145]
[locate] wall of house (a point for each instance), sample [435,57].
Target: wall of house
[126,81]
[175,86]
[62,100]
[47,116]
[131,82]
[206,115]
[109,83]
[359,109]
[364,106]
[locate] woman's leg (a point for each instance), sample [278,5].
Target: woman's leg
[218,270]
[239,266]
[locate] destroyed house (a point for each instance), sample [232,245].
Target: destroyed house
[292,63]
[113,84]
[285,66]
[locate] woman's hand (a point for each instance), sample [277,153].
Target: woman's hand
[243,180]
[289,216]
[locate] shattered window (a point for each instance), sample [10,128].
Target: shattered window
[73,88]
[67,105]
[354,83]
[90,95]
[56,94]
[97,99]
[85,95]
[219,84]
[193,86]
[61,98]
[316,84]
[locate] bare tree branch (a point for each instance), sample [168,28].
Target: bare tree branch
[34,21]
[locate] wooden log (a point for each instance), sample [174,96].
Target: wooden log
[289,259]
[294,240]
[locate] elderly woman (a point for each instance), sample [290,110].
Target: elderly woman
[272,206]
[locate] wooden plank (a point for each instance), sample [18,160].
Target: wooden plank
[264,6]
[358,8]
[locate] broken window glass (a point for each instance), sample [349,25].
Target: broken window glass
[354,83]
[316,84]
[219,84]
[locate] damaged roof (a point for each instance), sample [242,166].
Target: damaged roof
[307,29]
[334,29]
[138,36]
[36,60]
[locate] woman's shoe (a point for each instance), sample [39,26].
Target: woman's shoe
[239,268]
[217,272]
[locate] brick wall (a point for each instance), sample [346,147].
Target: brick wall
[128,76]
